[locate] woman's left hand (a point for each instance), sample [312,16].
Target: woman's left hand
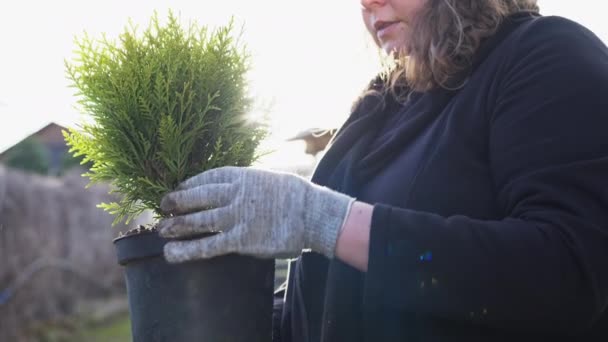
[256,212]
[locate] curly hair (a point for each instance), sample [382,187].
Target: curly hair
[445,36]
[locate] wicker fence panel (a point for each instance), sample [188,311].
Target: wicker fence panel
[55,249]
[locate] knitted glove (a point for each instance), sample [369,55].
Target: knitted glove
[260,213]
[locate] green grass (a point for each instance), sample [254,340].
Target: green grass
[117,329]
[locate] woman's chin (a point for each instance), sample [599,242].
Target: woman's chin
[394,51]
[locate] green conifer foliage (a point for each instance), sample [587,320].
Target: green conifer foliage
[165,105]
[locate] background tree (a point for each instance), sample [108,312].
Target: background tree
[28,155]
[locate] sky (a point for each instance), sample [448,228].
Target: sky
[310,57]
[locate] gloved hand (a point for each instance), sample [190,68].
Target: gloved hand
[260,213]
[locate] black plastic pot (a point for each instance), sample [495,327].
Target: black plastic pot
[227,298]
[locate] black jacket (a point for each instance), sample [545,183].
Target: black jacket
[490,217]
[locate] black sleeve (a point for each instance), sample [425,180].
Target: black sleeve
[544,267]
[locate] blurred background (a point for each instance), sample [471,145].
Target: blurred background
[59,280]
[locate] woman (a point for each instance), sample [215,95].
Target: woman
[464,199]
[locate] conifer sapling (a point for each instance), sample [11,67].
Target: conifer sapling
[165,104]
